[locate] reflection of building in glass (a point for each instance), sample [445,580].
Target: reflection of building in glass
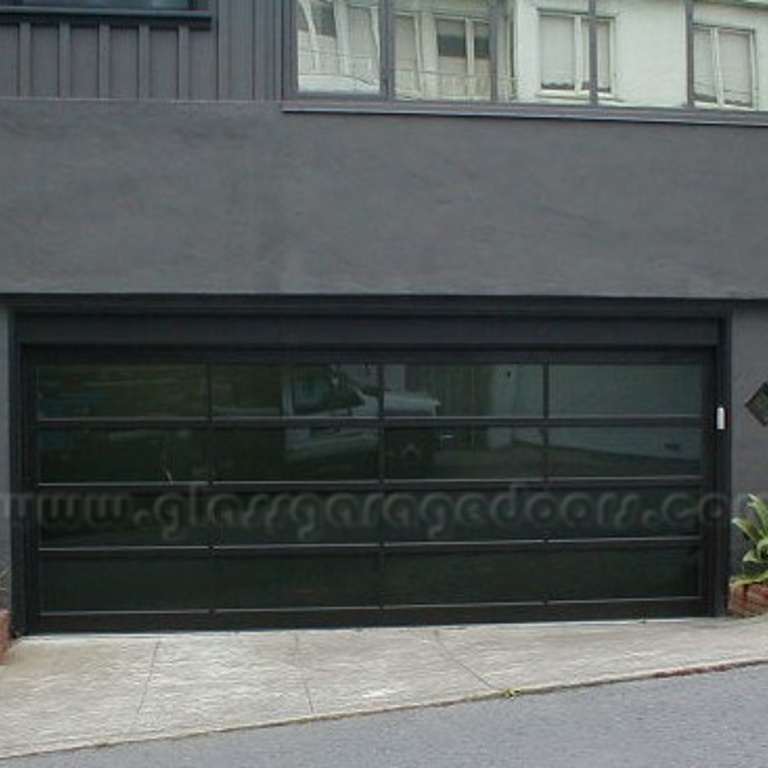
[623,53]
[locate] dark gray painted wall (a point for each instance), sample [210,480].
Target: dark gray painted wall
[125,197]
[749,438]
[5,444]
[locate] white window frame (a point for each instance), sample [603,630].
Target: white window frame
[580,20]
[341,10]
[419,87]
[469,42]
[715,30]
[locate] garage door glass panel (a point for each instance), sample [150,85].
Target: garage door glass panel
[616,512]
[625,451]
[297,582]
[120,391]
[296,453]
[333,391]
[114,456]
[306,391]
[464,452]
[624,574]
[134,584]
[296,518]
[462,578]
[246,390]
[459,516]
[626,390]
[464,390]
[120,520]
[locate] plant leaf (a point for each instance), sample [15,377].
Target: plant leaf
[760,508]
[748,528]
[744,581]
[761,548]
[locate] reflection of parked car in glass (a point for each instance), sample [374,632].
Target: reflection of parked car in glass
[330,393]
[331,440]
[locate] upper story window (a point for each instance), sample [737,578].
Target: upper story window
[678,54]
[724,67]
[338,46]
[445,54]
[405,49]
[564,52]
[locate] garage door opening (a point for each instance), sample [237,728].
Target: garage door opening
[244,487]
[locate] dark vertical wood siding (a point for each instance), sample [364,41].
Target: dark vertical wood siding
[124,58]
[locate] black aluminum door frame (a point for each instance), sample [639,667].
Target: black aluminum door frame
[464,351]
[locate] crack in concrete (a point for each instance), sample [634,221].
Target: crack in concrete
[304,681]
[456,660]
[145,689]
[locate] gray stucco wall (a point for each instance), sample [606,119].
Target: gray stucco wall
[121,197]
[5,444]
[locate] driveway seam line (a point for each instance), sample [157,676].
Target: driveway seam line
[145,689]
[304,681]
[456,660]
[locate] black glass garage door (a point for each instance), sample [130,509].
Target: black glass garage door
[251,489]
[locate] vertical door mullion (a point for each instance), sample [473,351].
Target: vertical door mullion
[212,533]
[716,514]
[546,470]
[25,522]
[381,482]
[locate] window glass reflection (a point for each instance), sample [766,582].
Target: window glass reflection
[465,390]
[298,453]
[464,452]
[539,50]
[120,391]
[628,390]
[122,455]
[443,50]
[322,391]
[338,45]
[723,67]
[625,451]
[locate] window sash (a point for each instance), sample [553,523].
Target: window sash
[564,53]
[338,46]
[724,69]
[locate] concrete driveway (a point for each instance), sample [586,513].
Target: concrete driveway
[88,690]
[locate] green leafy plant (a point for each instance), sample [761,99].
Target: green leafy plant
[755,530]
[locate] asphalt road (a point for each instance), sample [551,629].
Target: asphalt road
[718,720]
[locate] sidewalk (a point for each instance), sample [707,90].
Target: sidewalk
[88,690]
